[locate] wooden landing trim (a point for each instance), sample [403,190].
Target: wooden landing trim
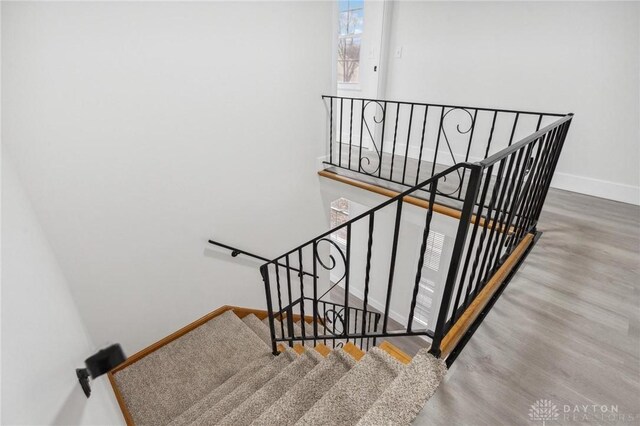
[395,352]
[242,312]
[438,208]
[123,406]
[239,311]
[354,351]
[390,193]
[461,326]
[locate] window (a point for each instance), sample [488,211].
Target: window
[350,22]
[340,215]
[424,302]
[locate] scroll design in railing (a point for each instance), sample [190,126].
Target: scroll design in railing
[332,259]
[385,126]
[365,123]
[454,160]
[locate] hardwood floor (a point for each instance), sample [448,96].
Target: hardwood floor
[566,329]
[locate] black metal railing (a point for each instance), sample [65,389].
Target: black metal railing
[407,142]
[373,271]
[332,320]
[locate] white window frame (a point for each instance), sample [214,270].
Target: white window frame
[350,86]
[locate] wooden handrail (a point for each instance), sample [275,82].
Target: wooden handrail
[419,202]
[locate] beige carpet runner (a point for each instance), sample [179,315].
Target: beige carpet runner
[223,373]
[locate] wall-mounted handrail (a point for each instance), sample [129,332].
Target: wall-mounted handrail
[236,251]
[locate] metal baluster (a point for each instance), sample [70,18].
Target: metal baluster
[466,156]
[513,129]
[264,271]
[424,127]
[361,133]
[277,266]
[290,307]
[395,134]
[539,122]
[331,130]
[365,301]
[406,151]
[355,328]
[384,122]
[435,154]
[324,322]
[341,120]
[302,319]
[493,126]
[350,133]
[425,236]
[315,293]
[392,266]
[346,281]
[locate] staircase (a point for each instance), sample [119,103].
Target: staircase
[221,371]
[308,360]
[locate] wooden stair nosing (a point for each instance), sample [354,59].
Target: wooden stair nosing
[395,352]
[354,351]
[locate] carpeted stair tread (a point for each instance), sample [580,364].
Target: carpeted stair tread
[304,394]
[221,391]
[258,327]
[253,406]
[350,398]
[401,402]
[308,328]
[297,331]
[165,383]
[227,404]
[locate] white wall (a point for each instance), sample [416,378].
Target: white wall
[43,338]
[580,57]
[409,242]
[142,129]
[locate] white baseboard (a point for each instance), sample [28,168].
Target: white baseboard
[597,187]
